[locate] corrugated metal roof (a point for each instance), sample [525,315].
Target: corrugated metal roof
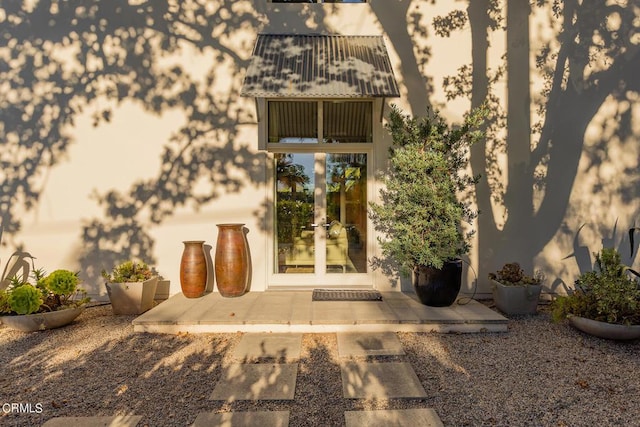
[319,66]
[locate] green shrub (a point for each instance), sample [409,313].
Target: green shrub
[607,294]
[420,213]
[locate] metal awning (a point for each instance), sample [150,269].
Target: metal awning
[319,66]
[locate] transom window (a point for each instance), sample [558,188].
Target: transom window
[315,121]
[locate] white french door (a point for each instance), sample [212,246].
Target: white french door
[322,183]
[321,226]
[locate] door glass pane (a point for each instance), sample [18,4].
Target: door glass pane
[293,122]
[347,121]
[295,183]
[346,213]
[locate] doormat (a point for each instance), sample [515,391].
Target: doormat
[345,295]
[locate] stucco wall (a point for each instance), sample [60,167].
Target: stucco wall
[162,86]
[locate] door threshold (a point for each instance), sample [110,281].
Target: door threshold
[311,288]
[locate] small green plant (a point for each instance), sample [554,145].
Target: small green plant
[511,274]
[4,302]
[25,299]
[62,282]
[607,294]
[129,271]
[42,293]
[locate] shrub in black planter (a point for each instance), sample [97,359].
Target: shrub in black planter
[421,214]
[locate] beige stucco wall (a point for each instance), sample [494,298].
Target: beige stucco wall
[117,154]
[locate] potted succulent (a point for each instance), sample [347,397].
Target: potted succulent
[515,292]
[42,301]
[605,302]
[420,213]
[131,287]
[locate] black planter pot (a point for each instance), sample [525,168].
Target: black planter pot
[438,287]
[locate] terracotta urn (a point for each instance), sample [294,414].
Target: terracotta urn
[231,260]
[193,269]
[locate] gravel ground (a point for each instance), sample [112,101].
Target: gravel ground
[537,374]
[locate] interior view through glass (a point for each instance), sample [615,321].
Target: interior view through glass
[320,197]
[343,228]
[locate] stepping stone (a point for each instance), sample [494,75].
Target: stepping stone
[380,381]
[281,347]
[369,344]
[243,419]
[398,417]
[119,421]
[265,381]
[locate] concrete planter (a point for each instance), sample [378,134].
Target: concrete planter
[516,300]
[42,321]
[132,297]
[605,330]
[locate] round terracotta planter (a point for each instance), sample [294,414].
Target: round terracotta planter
[193,269]
[231,260]
[438,287]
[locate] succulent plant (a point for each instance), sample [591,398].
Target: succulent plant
[608,293]
[62,282]
[513,275]
[25,299]
[129,271]
[40,293]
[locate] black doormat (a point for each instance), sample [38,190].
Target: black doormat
[345,295]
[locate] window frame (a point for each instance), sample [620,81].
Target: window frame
[319,145]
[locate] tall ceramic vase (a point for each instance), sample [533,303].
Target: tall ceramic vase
[193,269]
[231,260]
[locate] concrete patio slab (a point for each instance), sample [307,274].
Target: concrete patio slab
[243,419]
[351,312]
[294,311]
[273,307]
[380,381]
[221,311]
[368,344]
[268,381]
[476,311]
[119,421]
[282,347]
[398,417]
[302,306]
